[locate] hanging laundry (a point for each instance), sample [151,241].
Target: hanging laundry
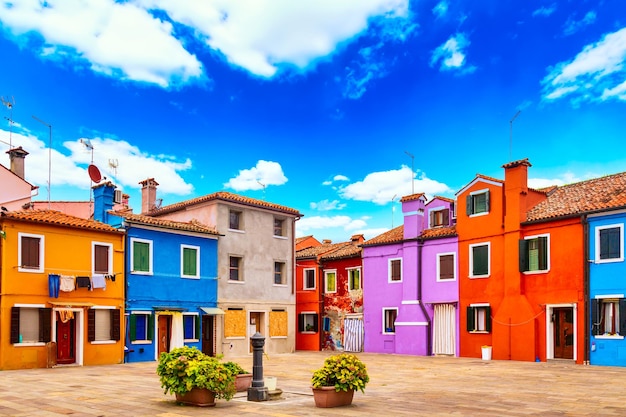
[66,315]
[54,283]
[98,281]
[67,283]
[83,282]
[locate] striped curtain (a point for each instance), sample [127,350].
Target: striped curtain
[444,328]
[353,335]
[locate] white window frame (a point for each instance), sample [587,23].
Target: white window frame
[477,308]
[309,314]
[32,307]
[103,341]
[621,243]
[348,271]
[389,270]
[434,210]
[384,310]
[439,255]
[132,256]
[41,252]
[182,266]
[326,273]
[478,192]
[548,249]
[471,259]
[93,257]
[304,283]
[196,318]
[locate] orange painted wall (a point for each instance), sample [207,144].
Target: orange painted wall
[308,301]
[67,251]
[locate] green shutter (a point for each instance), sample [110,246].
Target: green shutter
[132,324]
[488,319]
[542,243]
[141,257]
[480,260]
[523,255]
[468,205]
[190,261]
[198,330]
[150,325]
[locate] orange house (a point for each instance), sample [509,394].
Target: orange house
[521,271]
[62,290]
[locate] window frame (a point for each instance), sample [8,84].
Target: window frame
[44,324]
[471,203]
[238,268]
[438,266]
[434,214]
[473,318]
[598,243]
[351,270]
[280,227]
[184,247]
[390,270]
[303,322]
[471,260]
[149,327]
[195,327]
[20,264]
[109,257]
[150,270]
[598,328]
[384,320]
[239,218]
[328,272]
[114,325]
[283,273]
[524,254]
[305,287]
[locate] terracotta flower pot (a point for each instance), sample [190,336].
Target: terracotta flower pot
[243,382]
[200,397]
[326,397]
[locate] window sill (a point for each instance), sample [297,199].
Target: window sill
[235,338]
[30,270]
[479,276]
[232,281]
[279,285]
[237,230]
[542,271]
[608,261]
[308,289]
[141,342]
[609,336]
[308,332]
[103,342]
[191,340]
[29,344]
[189,277]
[479,332]
[278,337]
[281,237]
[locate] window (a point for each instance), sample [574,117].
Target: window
[330,281]
[478,202]
[191,327]
[235,268]
[446,267]
[103,324]
[278,227]
[235,322]
[395,270]
[439,217]
[479,318]
[309,279]
[141,255]
[31,254]
[479,260]
[609,246]
[102,261]
[234,220]
[534,254]
[279,323]
[279,273]
[389,320]
[308,322]
[31,324]
[141,327]
[609,316]
[190,261]
[354,279]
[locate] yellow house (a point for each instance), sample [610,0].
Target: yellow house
[61,290]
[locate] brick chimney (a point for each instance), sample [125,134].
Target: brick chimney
[357,239]
[17,155]
[516,192]
[148,195]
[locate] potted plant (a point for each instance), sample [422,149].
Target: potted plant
[335,382]
[195,378]
[243,378]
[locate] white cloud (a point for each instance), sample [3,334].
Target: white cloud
[307,225]
[451,54]
[595,74]
[572,26]
[112,38]
[382,187]
[340,178]
[440,9]
[263,174]
[326,205]
[545,11]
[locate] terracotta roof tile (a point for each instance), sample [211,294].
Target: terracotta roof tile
[437,232]
[348,250]
[224,196]
[57,218]
[191,226]
[390,236]
[604,193]
[439,197]
[411,197]
[315,251]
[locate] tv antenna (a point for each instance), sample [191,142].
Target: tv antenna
[113,164]
[262,185]
[511,135]
[9,104]
[412,171]
[393,208]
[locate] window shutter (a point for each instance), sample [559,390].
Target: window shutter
[614,243]
[432,218]
[132,327]
[468,205]
[488,318]
[622,316]
[198,329]
[101,259]
[115,324]
[150,320]
[523,255]
[471,325]
[45,324]
[446,267]
[301,322]
[596,317]
[487,201]
[15,324]
[189,261]
[316,322]
[543,252]
[91,325]
[446,217]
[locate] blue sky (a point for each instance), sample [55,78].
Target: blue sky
[322,106]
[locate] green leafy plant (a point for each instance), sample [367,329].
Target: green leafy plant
[235,368]
[344,371]
[186,368]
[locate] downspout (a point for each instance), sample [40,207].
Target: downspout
[420,245]
[320,292]
[586,285]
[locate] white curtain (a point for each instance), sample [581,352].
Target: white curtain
[444,342]
[177,339]
[353,335]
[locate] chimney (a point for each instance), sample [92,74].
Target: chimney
[515,191]
[148,195]
[103,201]
[326,242]
[413,208]
[357,239]
[17,155]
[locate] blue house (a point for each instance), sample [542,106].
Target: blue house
[171,280]
[607,288]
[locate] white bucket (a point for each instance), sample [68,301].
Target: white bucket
[270,383]
[486,353]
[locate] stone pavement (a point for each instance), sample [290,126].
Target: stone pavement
[399,385]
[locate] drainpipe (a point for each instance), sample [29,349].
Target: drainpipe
[586,285]
[420,245]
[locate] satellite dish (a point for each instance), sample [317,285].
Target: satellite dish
[94,173]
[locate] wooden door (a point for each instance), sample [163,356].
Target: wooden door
[207,335]
[254,326]
[164,332]
[563,324]
[66,342]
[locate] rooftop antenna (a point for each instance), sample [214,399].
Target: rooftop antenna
[9,104]
[412,172]
[511,135]
[94,173]
[393,208]
[262,185]
[49,155]
[113,164]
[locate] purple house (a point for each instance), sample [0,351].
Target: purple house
[411,297]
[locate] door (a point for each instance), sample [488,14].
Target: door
[444,333]
[563,325]
[66,341]
[353,334]
[254,326]
[208,335]
[164,332]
